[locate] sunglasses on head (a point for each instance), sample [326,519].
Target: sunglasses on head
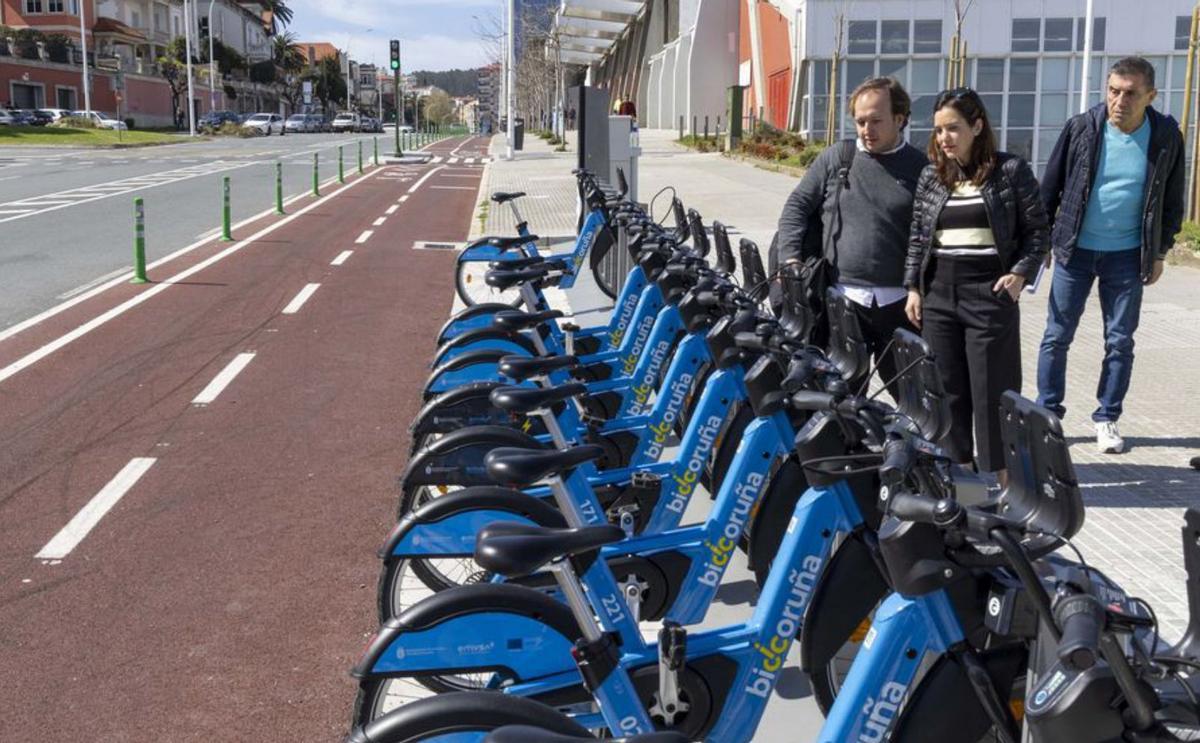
[956,94]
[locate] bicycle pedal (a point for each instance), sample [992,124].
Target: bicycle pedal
[672,645]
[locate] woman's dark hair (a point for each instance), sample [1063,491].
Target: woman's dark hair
[983,150]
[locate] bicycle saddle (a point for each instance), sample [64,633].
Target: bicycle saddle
[527,734]
[512,466]
[533,260]
[504,242]
[514,550]
[501,197]
[521,368]
[503,278]
[525,400]
[520,320]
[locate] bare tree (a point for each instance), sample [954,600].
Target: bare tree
[839,39]
[957,68]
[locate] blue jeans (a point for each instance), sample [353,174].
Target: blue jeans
[1119,274]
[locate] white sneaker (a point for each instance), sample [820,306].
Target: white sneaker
[1108,438]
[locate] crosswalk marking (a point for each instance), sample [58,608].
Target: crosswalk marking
[22,208]
[453,160]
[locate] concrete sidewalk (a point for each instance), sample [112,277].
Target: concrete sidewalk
[1135,500]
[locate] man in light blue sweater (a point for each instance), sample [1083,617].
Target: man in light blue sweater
[1113,190]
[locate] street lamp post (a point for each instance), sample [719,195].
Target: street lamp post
[512,63]
[87,88]
[187,38]
[212,70]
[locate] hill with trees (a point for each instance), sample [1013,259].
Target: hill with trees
[455,82]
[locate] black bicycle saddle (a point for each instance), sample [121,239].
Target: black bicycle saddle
[525,400]
[514,550]
[512,466]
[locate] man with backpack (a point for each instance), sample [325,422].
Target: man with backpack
[847,223]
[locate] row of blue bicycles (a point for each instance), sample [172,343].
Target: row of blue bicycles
[569,487]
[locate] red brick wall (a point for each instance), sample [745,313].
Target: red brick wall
[147,100]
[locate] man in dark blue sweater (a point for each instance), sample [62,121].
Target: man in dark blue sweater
[1113,190]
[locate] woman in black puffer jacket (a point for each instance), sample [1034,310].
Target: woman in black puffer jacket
[979,233]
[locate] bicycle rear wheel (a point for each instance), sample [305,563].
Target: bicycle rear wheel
[458,716]
[469,281]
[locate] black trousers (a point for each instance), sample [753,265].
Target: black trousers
[976,336]
[878,325]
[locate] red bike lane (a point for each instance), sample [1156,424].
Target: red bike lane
[226,594]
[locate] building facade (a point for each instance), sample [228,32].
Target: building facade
[677,58]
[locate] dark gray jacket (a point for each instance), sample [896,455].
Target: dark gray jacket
[1015,213]
[1067,183]
[870,234]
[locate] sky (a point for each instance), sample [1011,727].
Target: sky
[434,34]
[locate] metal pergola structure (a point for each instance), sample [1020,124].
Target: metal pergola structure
[588,28]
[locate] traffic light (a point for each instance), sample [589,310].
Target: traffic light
[204,27]
[395,54]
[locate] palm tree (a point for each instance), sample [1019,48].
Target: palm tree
[281,14]
[286,53]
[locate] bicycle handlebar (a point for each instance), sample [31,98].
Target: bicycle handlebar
[1081,618]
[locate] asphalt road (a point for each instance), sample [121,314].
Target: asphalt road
[195,473]
[66,215]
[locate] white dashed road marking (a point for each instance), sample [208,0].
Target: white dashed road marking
[379,222]
[222,380]
[342,257]
[392,209]
[299,300]
[77,528]
[366,235]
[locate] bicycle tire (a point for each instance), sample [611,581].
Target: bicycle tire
[470,289]
[462,712]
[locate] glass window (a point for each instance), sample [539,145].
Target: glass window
[926,76]
[994,103]
[1183,30]
[927,37]
[1056,74]
[1022,74]
[897,68]
[989,74]
[922,111]
[1098,27]
[1097,73]
[1058,34]
[820,77]
[820,113]
[1046,140]
[1025,32]
[1020,109]
[894,37]
[858,71]
[862,37]
[1178,72]
[1054,109]
[1020,143]
[1160,70]
[35,6]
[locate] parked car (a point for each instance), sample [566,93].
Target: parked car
[214,120]
[57,113]
[300,123]
[38,117]
[103,121]
[317,123]
[6,118]
[373,125]
[347,122]
[266,124]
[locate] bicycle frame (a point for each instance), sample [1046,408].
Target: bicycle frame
[904,631]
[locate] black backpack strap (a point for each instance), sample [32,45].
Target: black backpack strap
[847,148]
[846,157]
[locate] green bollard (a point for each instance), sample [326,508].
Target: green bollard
[360,162]
[316,176]
[279,188]
[226,226]
[139,242]
[341,166]
[377,152]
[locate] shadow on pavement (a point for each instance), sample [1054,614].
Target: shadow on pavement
[1139,485]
